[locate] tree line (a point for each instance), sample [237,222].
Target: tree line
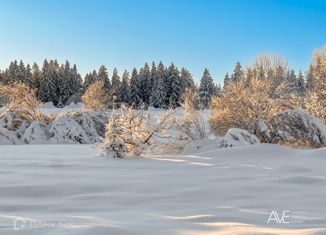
[157,86]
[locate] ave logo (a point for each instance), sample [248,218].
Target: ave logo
[279,218]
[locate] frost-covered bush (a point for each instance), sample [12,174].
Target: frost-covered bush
[192,123]
[95,97]
[315,106]
[294,128]
[73,127]
[244,104]
[133,132]
[23,98]
[114,144]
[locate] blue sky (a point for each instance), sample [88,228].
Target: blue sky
[194,34]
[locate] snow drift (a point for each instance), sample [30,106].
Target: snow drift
[72,127]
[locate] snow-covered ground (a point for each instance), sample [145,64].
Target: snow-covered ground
[206,190]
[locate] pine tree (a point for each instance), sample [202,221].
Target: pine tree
[116,85]
[311,79]
[65,83]
[292,82]
[159,95]
[175,86]
[103,76]
[187,81]
[301,83]
[237,75]
[20,73]
[12,72]
[36,74]
[227,80]
[146,84]
[206,89]
[89,79]
[113,144]
[125,88]
[135,89]
[48,88]
[29,80]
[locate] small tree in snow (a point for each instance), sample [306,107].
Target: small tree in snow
[132,132]
[114,144]
[95,97]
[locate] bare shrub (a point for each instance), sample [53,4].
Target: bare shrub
[94,97]
[192,124]
[315,106]
[270,62]
[244,104]
[23,99]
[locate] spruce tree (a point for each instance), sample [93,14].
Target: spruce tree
[135,89]
[65,83]
[89,79]
[12,72]
[301,83]
[20,75]
[175,86]
[187,80]
[311,79]
[125,88]
[146,83]
[238,74]
[292,82]
[48,88]
[103,76]
[206,89]
[159,94]
[36,74]
[227,80]
[116,85]
[29,81]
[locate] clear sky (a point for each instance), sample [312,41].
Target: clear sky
[194,34]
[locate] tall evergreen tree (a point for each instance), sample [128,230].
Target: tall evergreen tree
[29,80]
[187,81]
[301,83]
[135,89]
[292,82]
[20,72]
[89,79]
[37,76]
[227,80]
[103,76]
[238,74]
[311,79]
[146,83]
[116,85]
[48,88]
[175,86]
[65,83]
[125,88]
[206,89]
[159,94]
